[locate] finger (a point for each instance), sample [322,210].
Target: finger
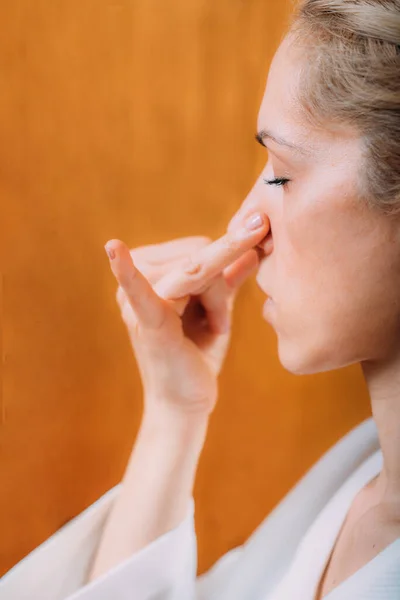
[156,254]
[240,216]
[237,273]
[211,260]
[153,272]
[215,302]
[121,297]
[178,305]
[218,298]
[148,308]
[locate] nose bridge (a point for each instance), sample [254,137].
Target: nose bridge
[251,204]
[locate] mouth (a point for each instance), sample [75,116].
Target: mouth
[264,291]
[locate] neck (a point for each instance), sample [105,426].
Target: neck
[383,381]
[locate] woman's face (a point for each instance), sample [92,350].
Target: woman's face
[332,267]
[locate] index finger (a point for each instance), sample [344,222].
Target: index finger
[211,260]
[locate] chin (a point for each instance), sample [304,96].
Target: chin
[294,365]
[300,360]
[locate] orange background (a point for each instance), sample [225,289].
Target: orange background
[134,119]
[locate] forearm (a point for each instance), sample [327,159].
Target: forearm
[156,487]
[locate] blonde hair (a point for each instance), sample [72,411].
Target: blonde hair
[352,75]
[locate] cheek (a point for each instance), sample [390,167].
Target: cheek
[314,235]
[320,245]
[329,272]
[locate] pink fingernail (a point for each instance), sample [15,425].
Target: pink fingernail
[254,222]
[110,252]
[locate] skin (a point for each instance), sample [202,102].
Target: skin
[325,239]
[332,267]
[334,270]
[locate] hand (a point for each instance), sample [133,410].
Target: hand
[177,302]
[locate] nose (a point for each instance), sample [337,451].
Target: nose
[240,217]
[265,247]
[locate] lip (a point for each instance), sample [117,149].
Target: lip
[264,290]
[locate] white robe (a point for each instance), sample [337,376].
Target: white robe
[282,560]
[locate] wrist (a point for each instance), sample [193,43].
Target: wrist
[171,422]
[162,412]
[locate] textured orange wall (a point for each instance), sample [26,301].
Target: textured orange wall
[134,119]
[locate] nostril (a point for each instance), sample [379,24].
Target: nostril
[265,246]
[265,239]
[260,253]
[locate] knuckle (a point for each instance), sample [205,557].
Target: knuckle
[204,240]
[128,280]
[193,269]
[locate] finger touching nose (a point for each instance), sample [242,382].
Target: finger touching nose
[265,246]
[213,259]
[240,217]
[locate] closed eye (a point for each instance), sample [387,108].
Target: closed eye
[278,181]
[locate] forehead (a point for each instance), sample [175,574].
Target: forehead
[281,112]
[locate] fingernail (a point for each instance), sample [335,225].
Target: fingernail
[254,222]
[110,252]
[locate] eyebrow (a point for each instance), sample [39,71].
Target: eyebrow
[264,134]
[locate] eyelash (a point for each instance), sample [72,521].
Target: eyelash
[278,181]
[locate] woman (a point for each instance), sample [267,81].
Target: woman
[321,227]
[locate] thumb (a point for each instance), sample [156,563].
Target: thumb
[149,309]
